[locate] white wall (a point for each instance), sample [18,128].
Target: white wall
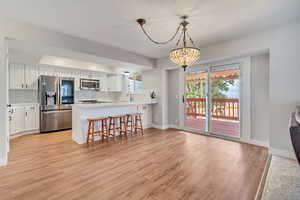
[283,44]
[284,83]
[260,123]
[3,102]
[173,97]
[157,80]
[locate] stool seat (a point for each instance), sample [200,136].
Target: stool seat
[96,119]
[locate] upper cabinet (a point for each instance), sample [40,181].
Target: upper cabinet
[23,76]
[115,83]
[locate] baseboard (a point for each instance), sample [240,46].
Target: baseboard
[23,133]
[3,161]
[258,143]
[173,126]
[263,179]
[283,153]
[162,127]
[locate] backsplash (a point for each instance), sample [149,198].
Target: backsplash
[102,96]
[23,96]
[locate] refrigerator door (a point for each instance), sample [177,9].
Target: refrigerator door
[67,95]
[56,120]
[49,93]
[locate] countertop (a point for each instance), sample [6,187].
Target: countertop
[116,104]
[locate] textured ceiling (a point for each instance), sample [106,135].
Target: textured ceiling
[112,22]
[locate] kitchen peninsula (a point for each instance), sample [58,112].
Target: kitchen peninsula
[81,112]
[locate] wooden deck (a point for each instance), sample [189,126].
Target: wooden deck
[230,128]
[160,165]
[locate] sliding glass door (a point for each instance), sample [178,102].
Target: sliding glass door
[212,101]
[196,101]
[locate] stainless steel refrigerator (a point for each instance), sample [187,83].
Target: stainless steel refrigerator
[56,98]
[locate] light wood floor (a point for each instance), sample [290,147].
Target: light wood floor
[159,165]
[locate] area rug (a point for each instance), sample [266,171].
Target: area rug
[283,180]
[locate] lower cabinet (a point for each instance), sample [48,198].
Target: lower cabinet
[31,118]
[24,119]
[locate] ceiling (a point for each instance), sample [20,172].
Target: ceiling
[112,22]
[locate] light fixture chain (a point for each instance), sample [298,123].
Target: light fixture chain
[179,39]
[190,38]
[156,42]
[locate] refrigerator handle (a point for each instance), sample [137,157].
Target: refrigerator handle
[58,92]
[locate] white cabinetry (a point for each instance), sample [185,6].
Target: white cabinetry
[17,119]
[115,83]
[24,119]
[31,118]
[23,76]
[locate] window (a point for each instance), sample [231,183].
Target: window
[135,83]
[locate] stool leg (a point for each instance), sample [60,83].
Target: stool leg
[141,125]
[114,126]
[125,126]
[131,123]
[93,132]
[136,124]
[106,129]
[102,130]
[88,135]
[121,126]
[110,125]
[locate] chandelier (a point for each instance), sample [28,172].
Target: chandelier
[183,54]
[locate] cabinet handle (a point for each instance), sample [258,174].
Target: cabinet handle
[26,114]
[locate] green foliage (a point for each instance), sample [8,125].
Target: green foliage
[197,89]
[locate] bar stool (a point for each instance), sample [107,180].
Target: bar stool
[115,126]
[102,132]
[134,122]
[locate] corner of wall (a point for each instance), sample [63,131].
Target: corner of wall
[3,161]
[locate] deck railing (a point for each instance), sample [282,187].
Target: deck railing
[227,109]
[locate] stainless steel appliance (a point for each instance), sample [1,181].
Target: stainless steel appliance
[56,99]
[89,84]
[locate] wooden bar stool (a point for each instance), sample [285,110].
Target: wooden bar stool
[101,132]
[122,126]
[134,122]
[117,123]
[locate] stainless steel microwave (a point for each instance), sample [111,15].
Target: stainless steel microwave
[89,84]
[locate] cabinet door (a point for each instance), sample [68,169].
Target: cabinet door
[77,81]
[103,83]
[31,118]
[31,76]
[17,123]
[115,83]
[12,76]
[18,76]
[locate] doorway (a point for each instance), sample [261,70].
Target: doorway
[212,100]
